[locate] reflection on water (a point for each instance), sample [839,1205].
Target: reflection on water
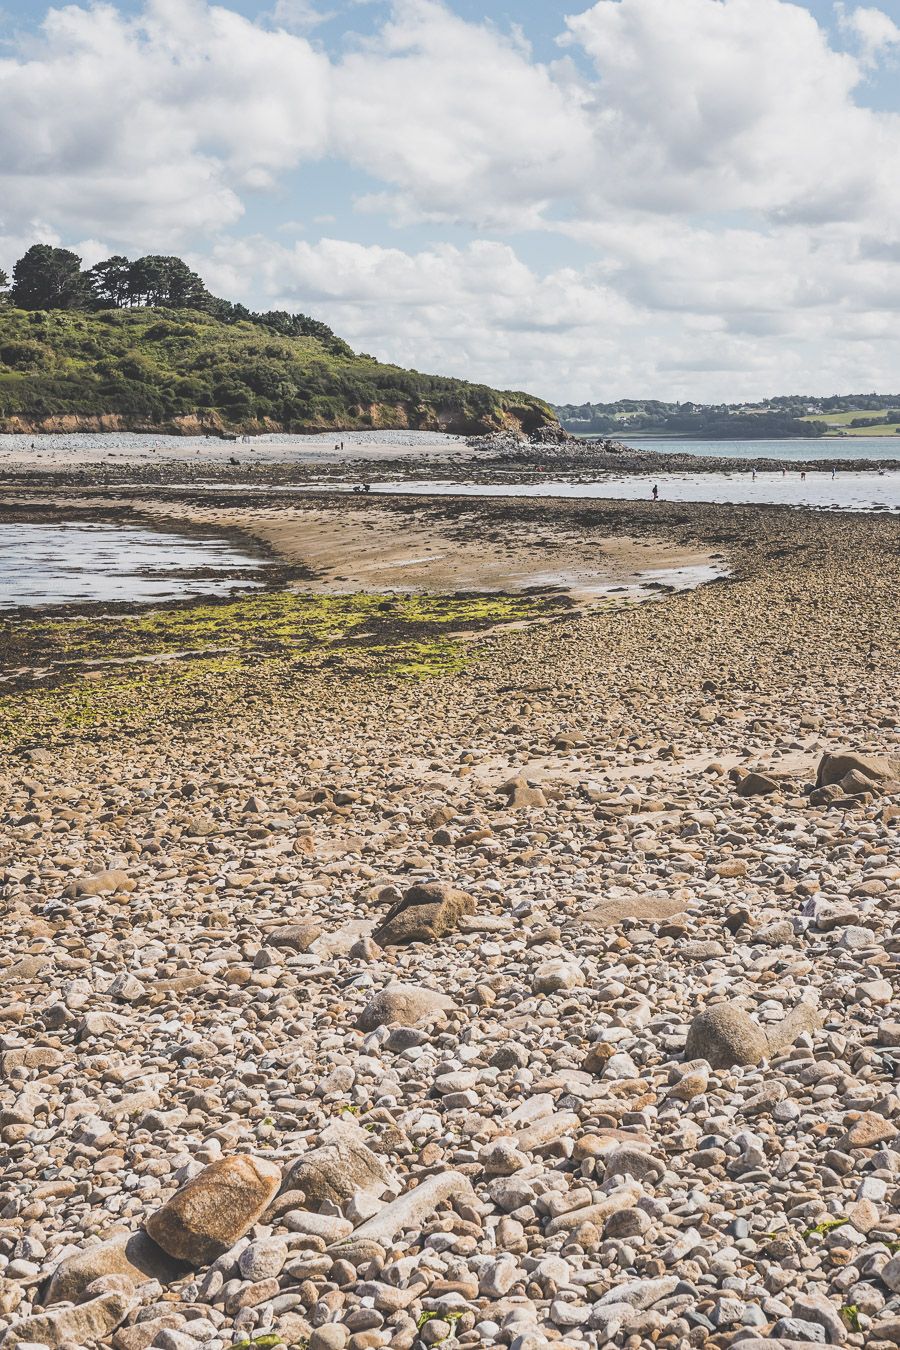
[59,564]
[865,491]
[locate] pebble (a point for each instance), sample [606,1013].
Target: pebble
[638,1087]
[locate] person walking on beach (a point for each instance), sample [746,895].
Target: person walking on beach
[655,493]
[754,476]
[803,476]
[833,471]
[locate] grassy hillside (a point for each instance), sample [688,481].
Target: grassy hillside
[183,370]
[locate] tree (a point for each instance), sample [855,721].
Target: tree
[157,280]
[49,278]
[109,281]
[4,286]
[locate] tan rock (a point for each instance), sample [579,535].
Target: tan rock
[520,794]
[426,913]
[214,1209]
[609,913]
[131,1254]
[91,1321]
[835,766]
[340,1167]
[101,883]
[756,785]
[869,1130]
[404,1003]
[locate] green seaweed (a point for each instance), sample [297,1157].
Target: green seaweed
[189,662]
[826,1226]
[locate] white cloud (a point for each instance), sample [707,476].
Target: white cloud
[713,160]
[297,16]
[459,119]
[721,318]
[149,130]
[875,31]
[720,105]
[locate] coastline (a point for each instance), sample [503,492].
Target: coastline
[385,456]
[255,781]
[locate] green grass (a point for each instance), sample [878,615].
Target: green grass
[844,418]
[883,429]
[888,426]
[164,369]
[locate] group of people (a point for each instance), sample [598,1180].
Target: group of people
[654,493]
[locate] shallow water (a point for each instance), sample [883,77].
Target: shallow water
[643,586]
[864,491]
[842,447]
[58,564]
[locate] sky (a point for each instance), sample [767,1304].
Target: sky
[638,198]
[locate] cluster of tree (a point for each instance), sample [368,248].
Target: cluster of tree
[47,278]
[713,422]
[778,417]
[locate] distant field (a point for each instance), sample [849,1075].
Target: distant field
[887,429]
[843,420]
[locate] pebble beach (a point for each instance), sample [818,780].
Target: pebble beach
[536,993]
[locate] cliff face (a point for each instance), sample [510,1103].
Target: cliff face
[183,372]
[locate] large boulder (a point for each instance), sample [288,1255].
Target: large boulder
[90,1321]
[338,1168]
[405,1004]
[132,1254]
[298,937]
[835,766]
[725,1035]
[214,1209]
[425,913]
[101,883]
[756,785]
[521,795]
[612,911]
[412,1209]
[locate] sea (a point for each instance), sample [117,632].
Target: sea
[804,448]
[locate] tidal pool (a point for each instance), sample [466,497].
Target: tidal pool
[76,563]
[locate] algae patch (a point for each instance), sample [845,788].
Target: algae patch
[80,673]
